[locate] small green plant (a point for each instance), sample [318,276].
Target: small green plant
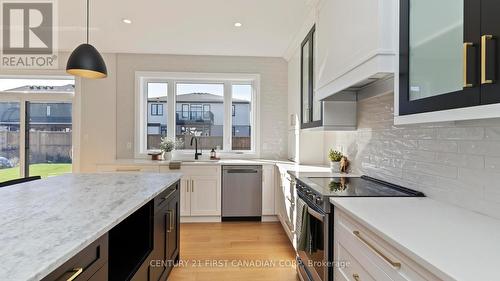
[168,144]
[334,155]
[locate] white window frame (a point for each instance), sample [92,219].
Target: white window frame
[173,78]
[22,98]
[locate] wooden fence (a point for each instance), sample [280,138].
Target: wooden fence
[45,146]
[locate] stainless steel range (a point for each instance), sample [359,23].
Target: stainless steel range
[315,216]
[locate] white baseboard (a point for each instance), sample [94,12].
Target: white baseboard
[200,219]
[270,218]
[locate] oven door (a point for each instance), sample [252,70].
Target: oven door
[314,258]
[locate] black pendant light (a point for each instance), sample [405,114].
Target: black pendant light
[85,61]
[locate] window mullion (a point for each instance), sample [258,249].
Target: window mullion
[171,114]
[227,116]
[22,137]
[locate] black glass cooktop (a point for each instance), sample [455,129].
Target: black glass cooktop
[357,187]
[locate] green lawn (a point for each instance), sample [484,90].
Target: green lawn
[43,170]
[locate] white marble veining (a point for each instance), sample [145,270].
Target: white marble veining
[44,223]
[452,242]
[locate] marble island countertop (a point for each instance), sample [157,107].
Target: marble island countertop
[451,242]
[44,223]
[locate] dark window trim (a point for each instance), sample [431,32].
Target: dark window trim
[310,88]
[234,110]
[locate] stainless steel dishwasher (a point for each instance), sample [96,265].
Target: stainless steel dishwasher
[241,193]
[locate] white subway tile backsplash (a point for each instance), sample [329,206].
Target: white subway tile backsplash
[491,148]
[431,169]
[492,133]
[460,160]
[456,162]
[438,146]
[471,133]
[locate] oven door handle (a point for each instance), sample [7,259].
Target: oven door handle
[316,214]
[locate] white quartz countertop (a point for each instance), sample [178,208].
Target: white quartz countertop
[451,242]
[46,222]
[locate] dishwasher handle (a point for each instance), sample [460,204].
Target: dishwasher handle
[242,171]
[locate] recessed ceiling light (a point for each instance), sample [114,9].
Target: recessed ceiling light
[238,24]
[127,21]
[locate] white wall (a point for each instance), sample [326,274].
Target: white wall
[98,118]
[455,162]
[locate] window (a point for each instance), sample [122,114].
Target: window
[9,141]
[185,111]
[242,116]
[206,116]
[47,105]
[219,109]
[157,109]
[157,93]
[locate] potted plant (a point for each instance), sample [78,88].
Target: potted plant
[335,157]
[167,145]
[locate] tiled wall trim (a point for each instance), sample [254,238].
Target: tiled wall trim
[456,162]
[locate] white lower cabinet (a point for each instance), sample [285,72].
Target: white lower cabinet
[128,168]
[286,203]
[268,190]
[369,257]
[205,196]
[200,191]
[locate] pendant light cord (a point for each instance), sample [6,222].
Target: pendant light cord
[88,6]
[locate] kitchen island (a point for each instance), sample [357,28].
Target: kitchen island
[45,223]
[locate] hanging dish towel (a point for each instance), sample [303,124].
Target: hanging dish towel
[302,226]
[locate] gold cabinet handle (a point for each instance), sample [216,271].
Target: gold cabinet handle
[188,186]
[484,40]
[465,59]
[356,277]
[76,271]
[192,185]
[170,220]
[386,258]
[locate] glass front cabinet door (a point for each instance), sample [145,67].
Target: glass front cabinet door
[311,109]
[449,54]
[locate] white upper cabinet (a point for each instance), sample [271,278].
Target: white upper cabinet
[356,44]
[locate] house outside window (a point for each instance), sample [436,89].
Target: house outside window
[217,110]
[157,111]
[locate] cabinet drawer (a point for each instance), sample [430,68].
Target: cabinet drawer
[128,168]
[353,270]
[162,199]
[84,264]
[378,252]
[188,171]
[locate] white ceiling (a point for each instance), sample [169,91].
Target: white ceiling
[202,27]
